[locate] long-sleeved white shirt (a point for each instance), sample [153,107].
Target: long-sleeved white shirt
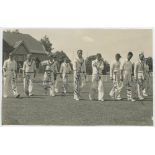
[10,65]
[97,67]
[50,66]
[115,68]
[79,65]
[127,67]
[65,68]
[29,67]
[139,68]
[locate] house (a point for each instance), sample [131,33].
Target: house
[22,44]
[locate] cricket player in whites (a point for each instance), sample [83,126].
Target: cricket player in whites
[10,76]
[29,73]
[49,78]
[139,75]
[127,73]
[147,79]
[79,69]
[97,78]
[116,77]
[65,69]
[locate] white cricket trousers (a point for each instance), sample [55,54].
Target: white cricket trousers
[117,87]
[97,85]
[28,83]
[65,82]
[49,83]
[10,82]
[140,85]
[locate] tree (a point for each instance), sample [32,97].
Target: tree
[16,31]
[60,56]
[149,61]
[89,64]
[47,44]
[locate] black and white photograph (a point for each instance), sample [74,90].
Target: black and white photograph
[77,77]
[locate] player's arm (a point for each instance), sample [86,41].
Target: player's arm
[94,64]
[84,68]
[35,70]
[136,71]
[4,68]
[122,71]
[61,70]
[24,67]
[75,66]
[102,65]
[16,68]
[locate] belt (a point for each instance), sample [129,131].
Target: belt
[140,72]
[48,71]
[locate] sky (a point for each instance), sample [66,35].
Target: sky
[108,42]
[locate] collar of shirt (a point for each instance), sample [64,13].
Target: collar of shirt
[80,59]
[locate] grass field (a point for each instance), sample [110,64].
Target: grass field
[63,110]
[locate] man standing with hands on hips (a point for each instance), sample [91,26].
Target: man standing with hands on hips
[139,75]
[79,69]
[127,73]
[116,77]
[49,75]
[65,69]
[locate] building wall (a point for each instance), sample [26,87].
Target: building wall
[20,54]
[41,57]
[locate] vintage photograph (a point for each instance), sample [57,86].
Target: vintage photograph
[77,77]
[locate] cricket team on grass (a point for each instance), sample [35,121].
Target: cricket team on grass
[121,74]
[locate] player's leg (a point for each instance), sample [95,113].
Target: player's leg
[56,83]
[14,87]
[145,90]
[76,86]
[100,90]
[25,81]
[30,87]
[46,80]
[112,92]
[114,87]
[52,86]
[118,87]
[64,84]
[140,89]
[129,92]
[93,88]
[6,86]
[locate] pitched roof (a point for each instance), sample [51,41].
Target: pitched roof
[6,47]
[14,39]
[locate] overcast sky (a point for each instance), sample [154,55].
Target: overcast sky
[108,42]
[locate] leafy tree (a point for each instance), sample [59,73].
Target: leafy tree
[149,61]
[89,64]
[16,31]
[47,44]
[60,56]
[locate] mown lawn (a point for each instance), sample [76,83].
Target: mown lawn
[63,110]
